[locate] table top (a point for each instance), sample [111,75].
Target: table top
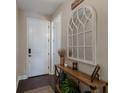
[83,77]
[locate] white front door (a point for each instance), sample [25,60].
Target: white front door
[37,46]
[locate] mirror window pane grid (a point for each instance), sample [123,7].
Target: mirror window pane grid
[81,29]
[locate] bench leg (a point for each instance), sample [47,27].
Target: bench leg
[105,89]
[93,91]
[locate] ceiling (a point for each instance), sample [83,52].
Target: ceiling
[42,7]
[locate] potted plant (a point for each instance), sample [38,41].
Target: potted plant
[68,85]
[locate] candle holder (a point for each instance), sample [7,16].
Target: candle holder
[75,65]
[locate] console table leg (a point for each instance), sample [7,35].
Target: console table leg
[104,89]
[93,91]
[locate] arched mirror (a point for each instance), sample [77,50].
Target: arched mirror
[82,35]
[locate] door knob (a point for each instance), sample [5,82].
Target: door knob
[29,55]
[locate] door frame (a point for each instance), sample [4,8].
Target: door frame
[52,39]
[27,58]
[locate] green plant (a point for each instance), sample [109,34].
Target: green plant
[69,86]
[63,76]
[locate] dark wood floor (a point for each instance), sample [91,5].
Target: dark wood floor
[35,82]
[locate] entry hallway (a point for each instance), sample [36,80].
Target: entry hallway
[62,46]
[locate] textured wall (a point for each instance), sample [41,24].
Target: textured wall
[22,43]
[101,7]
[102,34]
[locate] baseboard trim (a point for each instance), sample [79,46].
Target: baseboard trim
[21,77]
[17,83]
[38,76]
[51,73]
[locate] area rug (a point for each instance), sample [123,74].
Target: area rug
[45,89]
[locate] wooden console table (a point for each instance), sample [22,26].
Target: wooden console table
[81,77]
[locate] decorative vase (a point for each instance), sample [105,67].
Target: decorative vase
[61,53]
[62,61]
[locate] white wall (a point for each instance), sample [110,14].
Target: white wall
[102,34]
[17,74]
[22,43]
